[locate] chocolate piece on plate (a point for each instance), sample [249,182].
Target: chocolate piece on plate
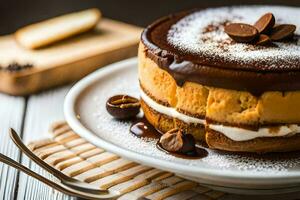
[123,106]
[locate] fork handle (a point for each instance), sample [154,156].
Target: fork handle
[16,165]
[19,143]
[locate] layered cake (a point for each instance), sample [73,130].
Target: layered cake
[235,96]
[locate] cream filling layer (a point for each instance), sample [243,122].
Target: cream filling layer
[234,133]
[240,134]
[172,112]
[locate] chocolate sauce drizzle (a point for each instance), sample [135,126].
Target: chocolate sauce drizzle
[198,153]
[143,129]
[256,77]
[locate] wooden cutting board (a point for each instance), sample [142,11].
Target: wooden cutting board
[65,61]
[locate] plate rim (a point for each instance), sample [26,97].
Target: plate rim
[205,173]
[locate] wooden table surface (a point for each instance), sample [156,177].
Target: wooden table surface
[31,117]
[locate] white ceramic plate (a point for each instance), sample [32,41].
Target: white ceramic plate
[85,112]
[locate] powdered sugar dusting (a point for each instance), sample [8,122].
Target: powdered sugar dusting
[94,115]
[203,33]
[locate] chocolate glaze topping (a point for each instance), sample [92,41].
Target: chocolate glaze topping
[255,76]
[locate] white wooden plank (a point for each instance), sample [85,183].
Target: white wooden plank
[42,110]
[11,115]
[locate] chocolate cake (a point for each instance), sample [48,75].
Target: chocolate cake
[234,96]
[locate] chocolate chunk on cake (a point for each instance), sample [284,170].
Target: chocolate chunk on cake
[236,95]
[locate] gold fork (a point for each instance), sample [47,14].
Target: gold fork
[59,186]
[66,180]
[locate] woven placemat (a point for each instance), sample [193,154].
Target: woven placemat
[76,157]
